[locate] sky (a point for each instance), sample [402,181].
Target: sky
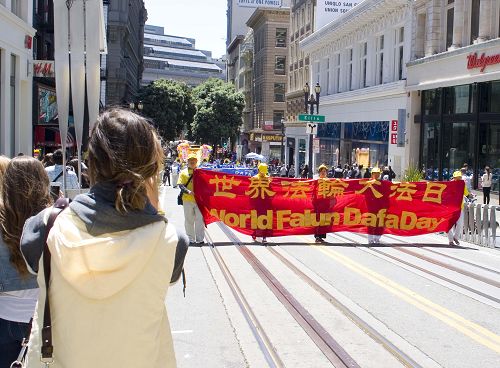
[203,20]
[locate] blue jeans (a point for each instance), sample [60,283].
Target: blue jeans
[11,336]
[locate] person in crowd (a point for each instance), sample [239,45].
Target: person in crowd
[193,219]
[55,172]
[457,230]
[73,163]
[386,174]
[24,193]
[112,257]
[345,172]
[48,160]
[392,174]
[338,172]
[176,168]
[467,178]
[304,174]
[291,171]
[486,184]
[166,174]
[374,238]
[284,171]
[367,174]
[322,171]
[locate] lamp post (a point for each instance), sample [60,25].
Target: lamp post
[136,106]
[311,102]
[317,89]
[282,139]
[306,90]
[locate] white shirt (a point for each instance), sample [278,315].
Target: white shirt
[19,305]
[486,180]
[71,178]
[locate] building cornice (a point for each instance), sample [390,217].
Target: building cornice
[369,93]
[356,22]
[16,21]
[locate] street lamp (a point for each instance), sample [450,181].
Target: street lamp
[306,90]
[317,89]
[136,106]
[282,139]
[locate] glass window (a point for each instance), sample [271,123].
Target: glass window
[279,92]
[349,73]
[458,100]
[13,112]
[489,151]
[449,25]
[277,116]
[336,82]
[279,67]
[398,53]
[281,37]
[362,65]
[458,147]
[430,150]
[474,21]
[489,96]
[379,59]
[432,102]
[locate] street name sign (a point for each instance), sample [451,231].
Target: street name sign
[314,118]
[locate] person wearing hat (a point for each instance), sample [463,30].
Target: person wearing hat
[262,173]
[374,238]
[323,175]
[193,220]
[457,229]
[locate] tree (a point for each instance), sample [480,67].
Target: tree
[169,105]
[219,110]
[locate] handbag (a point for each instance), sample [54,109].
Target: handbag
[47,348]
[179,198]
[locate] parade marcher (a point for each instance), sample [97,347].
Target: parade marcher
[457,229]
[176,168]
[193,219]
[263,172]
[322,170]
[55,172]
[24,193]
[486,184]
[166,174]
[112,257]
[375,238]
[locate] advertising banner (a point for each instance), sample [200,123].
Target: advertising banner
[329,10]
[264,206]
[261,3]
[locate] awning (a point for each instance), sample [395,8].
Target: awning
[49,136]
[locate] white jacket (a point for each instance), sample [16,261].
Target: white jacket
[107,297]
[486,180]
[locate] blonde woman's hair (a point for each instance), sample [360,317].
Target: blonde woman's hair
[124,150]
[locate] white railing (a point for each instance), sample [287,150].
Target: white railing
[480,224]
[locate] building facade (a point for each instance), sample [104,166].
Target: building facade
[176,58]
[359,61]
[454,84]
[270,52]
[124,62]
[16,61]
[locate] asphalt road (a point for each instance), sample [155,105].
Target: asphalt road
[437,305]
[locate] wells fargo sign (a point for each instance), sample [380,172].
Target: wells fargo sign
[475,62]
[282,206]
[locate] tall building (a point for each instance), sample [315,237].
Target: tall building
[124,64]
[176,58]
[16,60]
[270,34]
[453,81]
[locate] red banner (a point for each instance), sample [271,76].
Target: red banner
[281,206]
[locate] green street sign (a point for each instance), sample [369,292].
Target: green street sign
[314,118]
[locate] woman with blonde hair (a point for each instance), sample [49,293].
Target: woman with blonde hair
[112,257]
[24,193]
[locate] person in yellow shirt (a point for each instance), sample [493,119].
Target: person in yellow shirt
[323,171]
[193,219]
[457,230]
[263,172]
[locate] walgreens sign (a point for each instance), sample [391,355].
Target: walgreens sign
[475,62]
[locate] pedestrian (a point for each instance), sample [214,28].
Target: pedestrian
[322,170]
[48,160]
[486,184]
[359,172]
[304,174]
[193,220]
[374,238]
[284,171]
[338,173]
[392,174]
[176,168]
[73,163]
[166,174]
[291,173]
[112,257]
[55,172]
[386,174]
[24,193]
[467,178]
[456,230]
[262,175]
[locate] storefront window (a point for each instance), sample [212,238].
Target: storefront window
[490,96]
[432,102]
[489,151]
[430,150]
[329,152]
[458,100]
[302,153]
[458,147]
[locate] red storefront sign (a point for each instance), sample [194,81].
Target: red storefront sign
[394,138]
[473,62]
[43,68]
[394,126]
[281,206]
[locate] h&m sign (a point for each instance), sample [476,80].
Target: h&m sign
[43,68]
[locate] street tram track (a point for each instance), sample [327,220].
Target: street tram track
[265,345]
[424,270]
[318,334]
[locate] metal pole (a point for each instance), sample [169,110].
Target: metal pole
[310,156]
[282,139]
